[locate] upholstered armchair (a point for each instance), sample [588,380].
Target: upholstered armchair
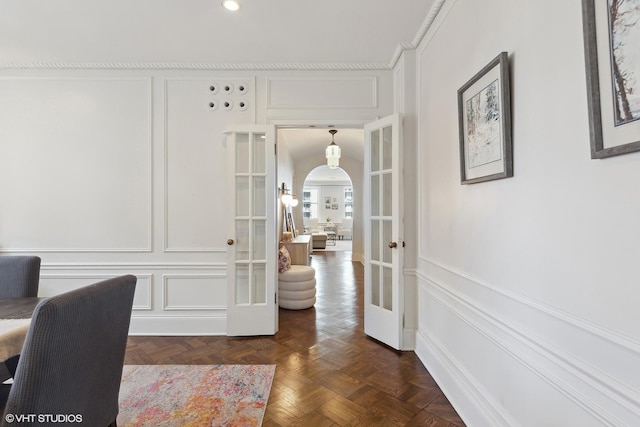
[345,228]
[313,226]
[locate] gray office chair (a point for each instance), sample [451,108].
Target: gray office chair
[19,276]
[72,358]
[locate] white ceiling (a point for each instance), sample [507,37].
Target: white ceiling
[200,31]
[322,175]
[313,141]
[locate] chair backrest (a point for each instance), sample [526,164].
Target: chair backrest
[347,223]
[73,355]
[313,225]
[19,276]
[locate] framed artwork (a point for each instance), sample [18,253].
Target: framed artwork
[484,122]
[611,31]
[327,200]
[334,206]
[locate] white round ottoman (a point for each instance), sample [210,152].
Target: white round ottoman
[297,287]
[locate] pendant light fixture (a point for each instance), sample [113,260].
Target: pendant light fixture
[333,152]
[232,5]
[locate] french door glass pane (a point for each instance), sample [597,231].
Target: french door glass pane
[386,194]
[375,240]
[375,195]
[259,154]
[242,240]
[386,225]
[242,284]
[242,196]
[387,288]
[259,241]
[242,153]
[375,285]
[375,151]
[259,284]
[259,196]
[386,148]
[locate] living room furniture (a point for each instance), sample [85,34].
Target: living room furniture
[72,358]
[345,229]
[297,287]
[19,276]
[15,317]
[319,240]
[299,249]
[330,231]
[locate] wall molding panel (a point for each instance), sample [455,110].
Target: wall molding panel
[598,393]
[626,342]
[50,285]
[187,291]
[196,112]
[179,325]
[322,92]
[460,386]
[59,118]
[128,266]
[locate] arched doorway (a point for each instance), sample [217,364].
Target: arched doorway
[328,205]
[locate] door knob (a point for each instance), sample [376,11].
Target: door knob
[230,242]
[393,245]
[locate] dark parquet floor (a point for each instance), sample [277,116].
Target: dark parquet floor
[328,372]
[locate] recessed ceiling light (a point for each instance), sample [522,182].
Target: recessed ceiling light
[231,4]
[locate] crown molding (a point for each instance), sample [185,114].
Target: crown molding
[190,66]
[426,24]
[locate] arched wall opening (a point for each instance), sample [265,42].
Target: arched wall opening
[327,202]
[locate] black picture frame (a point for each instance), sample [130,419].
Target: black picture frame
[484,122]
[608,137]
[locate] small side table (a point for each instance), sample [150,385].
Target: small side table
[299,249]
[331,234]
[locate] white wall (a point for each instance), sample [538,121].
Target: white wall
[285,175]
[119,170]
[528,297]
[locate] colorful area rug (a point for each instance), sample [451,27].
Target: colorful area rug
[194,395]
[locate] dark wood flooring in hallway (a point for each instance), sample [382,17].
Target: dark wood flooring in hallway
[328,372]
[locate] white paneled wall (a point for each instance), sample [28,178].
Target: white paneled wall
[197,111]
[526,286]
[77,182]
[110,172]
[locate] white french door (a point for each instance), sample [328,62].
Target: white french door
[252,243]
[383,244]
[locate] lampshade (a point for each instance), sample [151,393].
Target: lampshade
[332,152]
[231,4]
[287,199]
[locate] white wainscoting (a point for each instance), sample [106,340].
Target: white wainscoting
[191,300]
[54,284]
[195,292]
[498,335]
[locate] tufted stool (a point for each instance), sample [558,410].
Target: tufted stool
[297,287]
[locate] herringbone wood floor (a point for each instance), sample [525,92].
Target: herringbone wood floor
[328,372]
